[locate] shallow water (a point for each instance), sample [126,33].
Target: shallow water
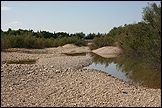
[133,71]
[76,54]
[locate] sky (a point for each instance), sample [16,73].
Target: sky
[70,16]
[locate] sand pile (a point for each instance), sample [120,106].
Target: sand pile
[108,51]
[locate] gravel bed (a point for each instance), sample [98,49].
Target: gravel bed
[59,81]
[19,54]
[66,62]
[36,86]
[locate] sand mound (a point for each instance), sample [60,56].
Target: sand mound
[69,46]
[108,51]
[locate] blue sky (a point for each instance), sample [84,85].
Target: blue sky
[70,16]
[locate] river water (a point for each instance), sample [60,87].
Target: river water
[133,71]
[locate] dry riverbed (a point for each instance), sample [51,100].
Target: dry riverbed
[58,80]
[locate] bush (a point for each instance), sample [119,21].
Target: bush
[140,40]
[29,41]
[98,42]
[18,41]
[5,42]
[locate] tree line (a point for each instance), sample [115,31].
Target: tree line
[46,34]
[41,39]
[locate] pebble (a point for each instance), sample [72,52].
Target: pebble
[71,86]
[10,88]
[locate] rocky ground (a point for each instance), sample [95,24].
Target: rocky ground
[58,80]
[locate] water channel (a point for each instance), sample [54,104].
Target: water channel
[127,69]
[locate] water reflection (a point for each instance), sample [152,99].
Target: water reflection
[76,54]
[131,70]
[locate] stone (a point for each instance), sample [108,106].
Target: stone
[10,88]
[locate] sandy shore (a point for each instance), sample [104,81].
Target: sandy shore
[58,80]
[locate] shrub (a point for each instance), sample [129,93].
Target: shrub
[140,40]
[98,42]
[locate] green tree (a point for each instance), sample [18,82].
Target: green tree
[81,35]
[9,30]
[60,36]
[152,15]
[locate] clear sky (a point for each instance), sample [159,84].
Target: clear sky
[70,16]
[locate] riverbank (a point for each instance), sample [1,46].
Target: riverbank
[57,80]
